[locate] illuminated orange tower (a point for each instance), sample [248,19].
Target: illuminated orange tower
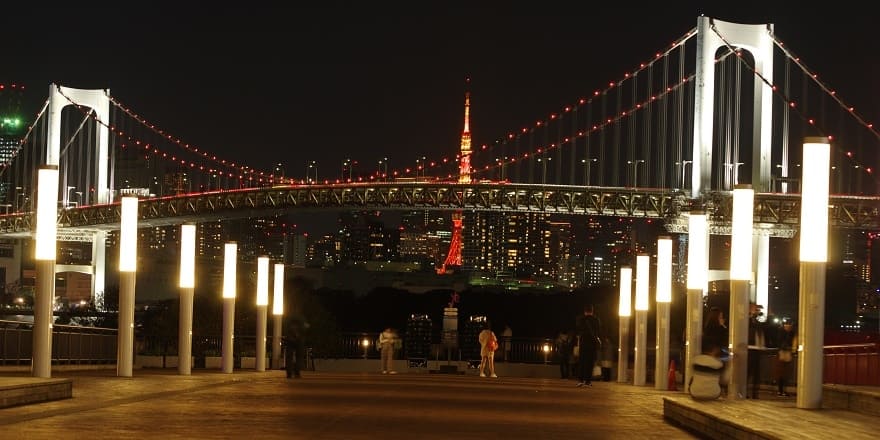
[453,258]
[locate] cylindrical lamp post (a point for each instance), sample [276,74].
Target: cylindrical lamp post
[278,314]
[643,268]
[127,277]
[697,279]
[229,289]
[45,236]
[664,297]
[813,256]
[740,275]
[624,311]
[262,305]
[187,289]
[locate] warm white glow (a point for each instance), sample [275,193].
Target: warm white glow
[278,292]
[46,232]
[128,234]
[698,266]
[643,275]
[625,307]
[229,258]
[814,201]
[187,256]
[263,281]
[741,233]
[664,270]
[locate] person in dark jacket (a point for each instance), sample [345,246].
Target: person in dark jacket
[589,331]
[294,348]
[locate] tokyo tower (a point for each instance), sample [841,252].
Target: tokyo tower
[453,258]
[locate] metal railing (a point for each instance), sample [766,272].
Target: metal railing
[71,344]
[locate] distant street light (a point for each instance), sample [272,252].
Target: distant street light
[67,199]
[734,169]
[383,169]
[635,164]
[543,161]
[313,165]
[588,163]
[683,164]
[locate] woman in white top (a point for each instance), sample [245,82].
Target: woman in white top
[386,345]
[487,350]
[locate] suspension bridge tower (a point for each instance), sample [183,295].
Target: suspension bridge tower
[453,257]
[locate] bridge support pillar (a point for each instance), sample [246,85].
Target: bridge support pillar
[99,261]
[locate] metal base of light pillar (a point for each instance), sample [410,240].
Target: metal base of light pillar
[738,324]
[694,333]
[261,339]
[810,337]
[623,350]
[641,349]
[276,341]
[184,333]
[661,353]
[99,266]
[125,344]
[228,331]
[41,364]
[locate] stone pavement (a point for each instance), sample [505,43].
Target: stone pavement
[246,404]
[158,403]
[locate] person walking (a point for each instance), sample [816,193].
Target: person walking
[294,348]
[589,331]
[563,345]
[757,345]
[488,345]
[787,343]
[387,341]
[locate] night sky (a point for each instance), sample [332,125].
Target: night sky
[290,85]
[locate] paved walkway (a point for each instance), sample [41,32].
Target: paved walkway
[212,405]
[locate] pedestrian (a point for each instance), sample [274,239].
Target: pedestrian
[563,345]
[506,336]
[294,348]
[757,344]
[715,334]
[589,331]
[488,345]
[787,343]
[387,341]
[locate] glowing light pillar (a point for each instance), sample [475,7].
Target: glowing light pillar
[624,311]
[45,235]
[664,297]
[229,259]
[127,278]
[740,275]
[697,279]
[643,267]
[278,314]
[187,287]
[262,305]
[814,255]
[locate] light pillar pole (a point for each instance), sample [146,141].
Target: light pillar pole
[187,289]
[127,277]
[740,275]
[229,288]
[624,311]
[45,235]
[278,315]
[664,297]
[262,305]
[697,279]
[813,256]
[643,267]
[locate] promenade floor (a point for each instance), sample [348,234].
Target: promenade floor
[158,403]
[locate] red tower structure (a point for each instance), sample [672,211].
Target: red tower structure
[453,257]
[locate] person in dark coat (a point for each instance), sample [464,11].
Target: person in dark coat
[589,331]
[294,348]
